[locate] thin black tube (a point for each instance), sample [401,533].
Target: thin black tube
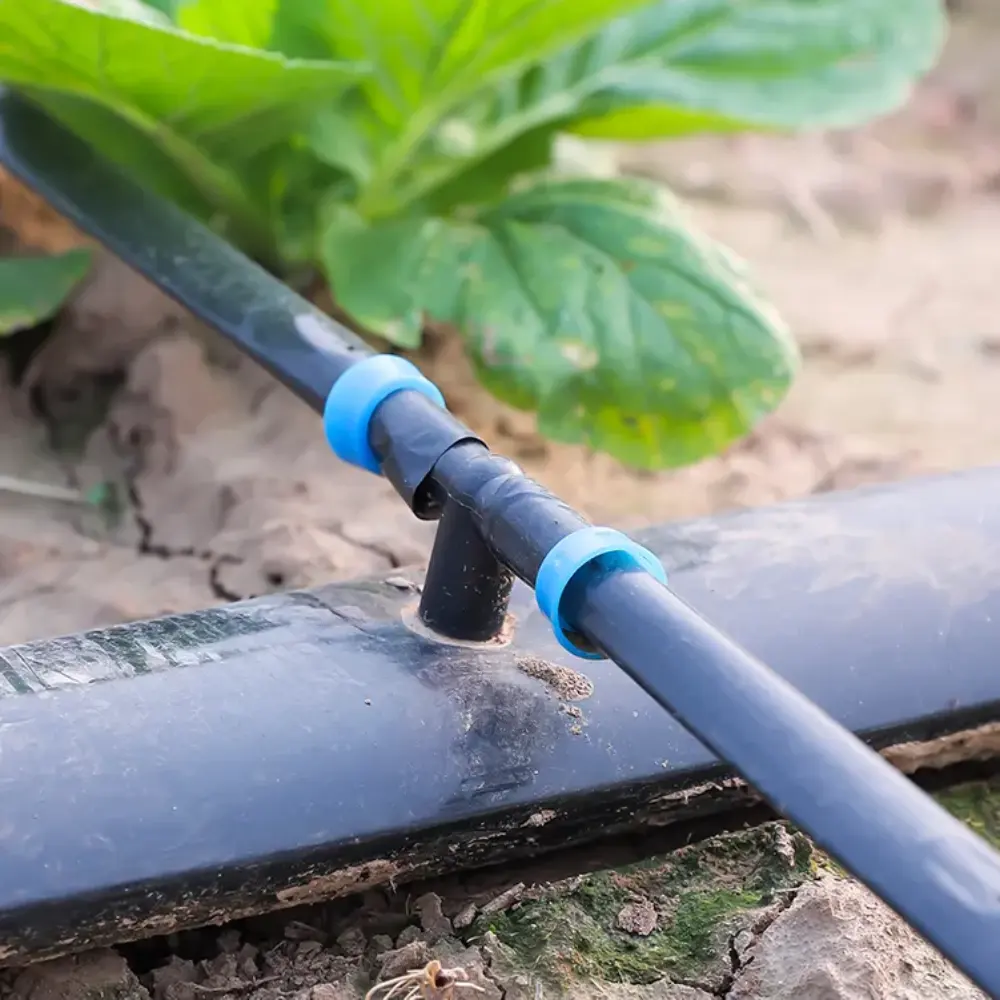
[467,589]
[299,344]
[519,519]
[922,861]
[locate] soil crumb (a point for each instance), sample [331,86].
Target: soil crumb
[568,684]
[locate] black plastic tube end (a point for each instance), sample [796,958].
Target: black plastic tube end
[467,589]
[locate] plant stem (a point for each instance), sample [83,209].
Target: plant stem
[378,198]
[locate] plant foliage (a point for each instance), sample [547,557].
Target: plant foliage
[32,289]
[407,147]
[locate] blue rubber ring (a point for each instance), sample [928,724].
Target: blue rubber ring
[356,396]
[576,552]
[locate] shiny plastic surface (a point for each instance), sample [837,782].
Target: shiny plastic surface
[307,745]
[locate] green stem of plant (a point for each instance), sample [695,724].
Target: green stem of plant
[380,197]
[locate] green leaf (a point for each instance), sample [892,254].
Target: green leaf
[429,57]
[158,77]
[489,179]
[495,129]
[681,66]
[433,51]
[241,22]
[207,105]
[32,289]
[303,29]
[671,68]
[343,136]
[590,301]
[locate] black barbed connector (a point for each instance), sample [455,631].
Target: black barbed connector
[467,589]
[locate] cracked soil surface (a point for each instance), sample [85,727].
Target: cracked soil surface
[880,248]
[878,245]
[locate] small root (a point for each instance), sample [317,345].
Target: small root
[432,982]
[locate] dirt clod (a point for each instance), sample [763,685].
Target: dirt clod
[380,944]
[177,971]
[432,919]
[352,942]
[784,846]
[568,684]
[637,918]
[97,975]
[511,897]
[329,991]
[839,942]
[413,955]
[409,935]
[465,917]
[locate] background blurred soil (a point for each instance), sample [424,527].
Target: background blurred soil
[881,246]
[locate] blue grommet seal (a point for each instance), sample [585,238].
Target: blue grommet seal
[576,552]
[355,397]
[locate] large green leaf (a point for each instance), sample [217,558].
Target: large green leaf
[159,77]
[207,105]
[681,66]
[303,29]
[431,52]
[33,288]
[490,130]
[590,301]
[428,57]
